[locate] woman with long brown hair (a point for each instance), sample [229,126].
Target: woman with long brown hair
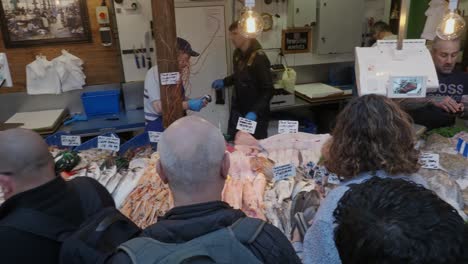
[373,137]
[372,134]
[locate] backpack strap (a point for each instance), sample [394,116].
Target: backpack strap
[247,229]
[38,223]
[137,247]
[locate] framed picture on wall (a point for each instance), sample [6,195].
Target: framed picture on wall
[39,22]
[297,40]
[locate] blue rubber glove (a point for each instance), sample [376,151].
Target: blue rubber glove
[75,118]
[251,116]
[218,84]
[196,104]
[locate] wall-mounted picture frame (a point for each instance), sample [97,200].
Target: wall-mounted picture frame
[296,40]
[27,23]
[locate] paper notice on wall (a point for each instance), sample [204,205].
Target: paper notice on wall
[169,78]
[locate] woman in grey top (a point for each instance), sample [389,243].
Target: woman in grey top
[373,137]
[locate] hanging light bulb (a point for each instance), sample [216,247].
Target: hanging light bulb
[452,25]
[250,23]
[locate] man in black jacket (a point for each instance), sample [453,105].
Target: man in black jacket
[195,169]
[28,181]
[253,84]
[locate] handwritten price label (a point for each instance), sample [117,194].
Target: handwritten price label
[288,127]
[284,171]
[246,125]
[109,143]
[154,137]
[70,141]
[169,78]
[429,161]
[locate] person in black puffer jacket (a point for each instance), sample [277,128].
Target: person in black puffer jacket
[29,182]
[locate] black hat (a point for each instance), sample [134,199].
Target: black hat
[184,46]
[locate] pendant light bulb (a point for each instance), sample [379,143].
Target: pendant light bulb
[452,25]
[251,23]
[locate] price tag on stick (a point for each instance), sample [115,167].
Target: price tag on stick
[70,141]
[288,127]
[246,125]
[429,161]
[284,171]
[109,143]
[154,137]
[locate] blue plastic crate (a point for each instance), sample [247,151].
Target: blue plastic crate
[136,142]
[56,140]
[93,143]
[101,102]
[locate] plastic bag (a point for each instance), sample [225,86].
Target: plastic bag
[289,79]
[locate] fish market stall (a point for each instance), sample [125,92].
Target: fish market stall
[268,179]
[253,184]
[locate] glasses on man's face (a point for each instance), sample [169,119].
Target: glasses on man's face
[6,173]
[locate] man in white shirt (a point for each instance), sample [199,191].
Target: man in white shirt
[152,95]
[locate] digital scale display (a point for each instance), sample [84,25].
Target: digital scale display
[407,86]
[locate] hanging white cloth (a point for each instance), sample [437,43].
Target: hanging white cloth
[42,77]
[70,71]
[435,13]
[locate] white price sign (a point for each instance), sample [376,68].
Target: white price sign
[246,125]
[288,127]
[284,171]
[70,141]
[429,161]
[109,143]
[333,179]
[169,78]
[154,137]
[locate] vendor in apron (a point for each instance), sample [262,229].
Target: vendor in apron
[152,95]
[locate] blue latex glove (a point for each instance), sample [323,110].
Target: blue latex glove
[196,104]
[75,118]
[218,84]
[251,116]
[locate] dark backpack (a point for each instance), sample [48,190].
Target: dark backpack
[226,245]
[91,242]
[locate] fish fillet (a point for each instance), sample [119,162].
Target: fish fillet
[251,204]
[232,193]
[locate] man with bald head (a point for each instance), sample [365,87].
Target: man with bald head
[194,162]
[442,106]
[29,183]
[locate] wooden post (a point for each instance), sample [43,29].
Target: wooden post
[164,27]
[404,11]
